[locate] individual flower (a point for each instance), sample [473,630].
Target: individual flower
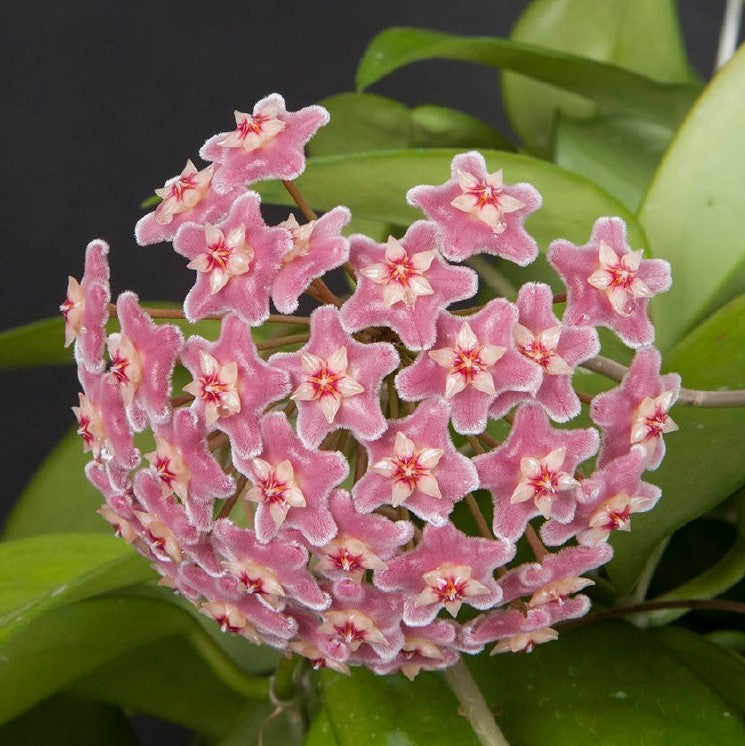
[606,502]
[608,284]
[336,380]
[404,284]
[532,472]
[86,308]
[185,467]
[186,197]
[636,412]
[554,348]
[232,385]
[267,144]
[291,483]
[317,247]
[321,650]
[445,570]
[362,542]
[143,356]
[477,212]
[472,361]
[414,464]
[236,262]
[102,421]
[427,648]
[515,629]
[273,572]
[555,577]
[362,615]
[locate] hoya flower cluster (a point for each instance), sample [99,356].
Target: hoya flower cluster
[313,499]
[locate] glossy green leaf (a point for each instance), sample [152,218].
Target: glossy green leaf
[704,463]
[365,709]
[618,153]
[42,572]
[72,641]
[608,684]
[169,680]
[364,121]
[693,212]
[638,35]
[320,733]
[722,670]
[374,185]
[608,85]
[69,720]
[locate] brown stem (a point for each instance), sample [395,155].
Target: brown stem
[289,339]
[583,397]
[710,604]
[473,440]
[299,200]
[560,298]
[179,401]
[466,311]
[535,543]
[489,440]
[289,410]
[227,506]
[216,440]
[478,516]
[392,399]
[177,313]
[692,397]
[360,463]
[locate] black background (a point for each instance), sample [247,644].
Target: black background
[102,101]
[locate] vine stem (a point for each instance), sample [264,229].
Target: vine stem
[692,397]
[290,339]
[177,313]
[473,705]
[710,604]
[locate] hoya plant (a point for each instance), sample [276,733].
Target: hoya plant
[486,489]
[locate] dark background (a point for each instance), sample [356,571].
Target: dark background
[102,101]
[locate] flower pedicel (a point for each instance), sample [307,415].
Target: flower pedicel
[307,498]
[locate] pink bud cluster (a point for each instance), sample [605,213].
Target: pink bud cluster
[284,494]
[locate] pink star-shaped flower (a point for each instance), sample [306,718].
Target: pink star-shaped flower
[86,308]
[317,247]
[445,570]
[291,483]
[362,542]
[102,421]
[336,380]
[606,502]
[274,573]
[478,213]
[473,360]
[404,284]
[427,648]
[186,197]
[637,410]
[232,384]
[236,262]
[361,615]
[267,144]
[321,650]
[554,349]
[414,464]
[186,468]
[608,284]
[532,473]
[555,577]
[143,356]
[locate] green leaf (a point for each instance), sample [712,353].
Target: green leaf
[642,36]
[364,121]
[608,684]
[69,720]
[618,153]
[693,211]
[367,709]
[320,733]
[608,85]
[721,669]
[39,573]
[169,680]
[704,463]
[374,185]
[72,641]
[58,498]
